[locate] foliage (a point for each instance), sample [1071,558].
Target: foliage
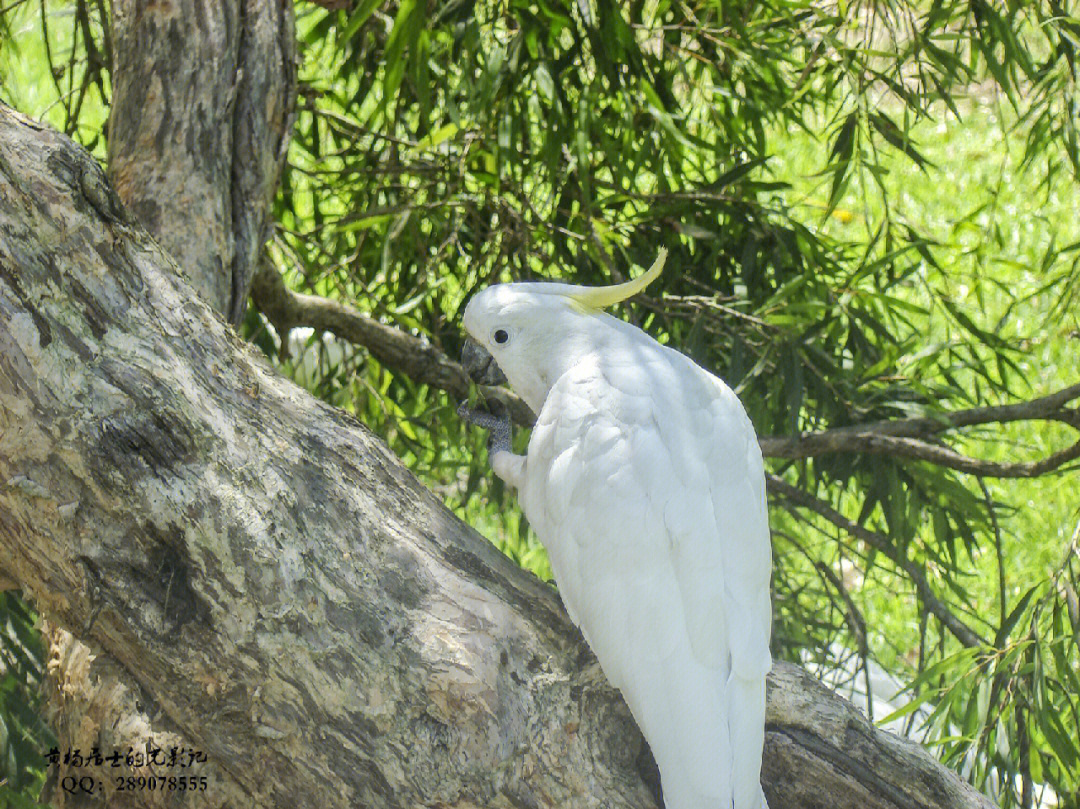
[24,738]
[54,60]
[774,148]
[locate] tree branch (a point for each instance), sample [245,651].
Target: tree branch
[394,349]
[902,437]
[876,444]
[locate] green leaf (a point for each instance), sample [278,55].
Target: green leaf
[436,137]
[897,138]
[1014,615]
[840,157]
[357,18]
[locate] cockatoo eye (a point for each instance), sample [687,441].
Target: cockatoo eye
[501,336]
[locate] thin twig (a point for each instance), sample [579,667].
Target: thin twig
[857,624]
[1002,591]
[961,631]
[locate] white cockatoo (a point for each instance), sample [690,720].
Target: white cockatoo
[644,481]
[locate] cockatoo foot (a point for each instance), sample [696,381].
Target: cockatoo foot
[504,462]
[499,440]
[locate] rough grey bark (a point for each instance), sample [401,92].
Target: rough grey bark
[267,582]
[203,96]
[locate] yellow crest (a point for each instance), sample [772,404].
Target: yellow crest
[602,297]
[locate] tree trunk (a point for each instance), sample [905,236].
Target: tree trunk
[202,107]
[266,583]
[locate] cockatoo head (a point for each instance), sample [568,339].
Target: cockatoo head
[531,332]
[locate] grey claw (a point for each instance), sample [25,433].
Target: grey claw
[499,426]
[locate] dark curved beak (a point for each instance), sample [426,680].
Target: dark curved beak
[480,365]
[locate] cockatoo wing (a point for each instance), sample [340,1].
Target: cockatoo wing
[644,481]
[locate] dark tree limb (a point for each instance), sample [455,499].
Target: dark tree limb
[908,437]
[394,349]
[416,358]
[271,585]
